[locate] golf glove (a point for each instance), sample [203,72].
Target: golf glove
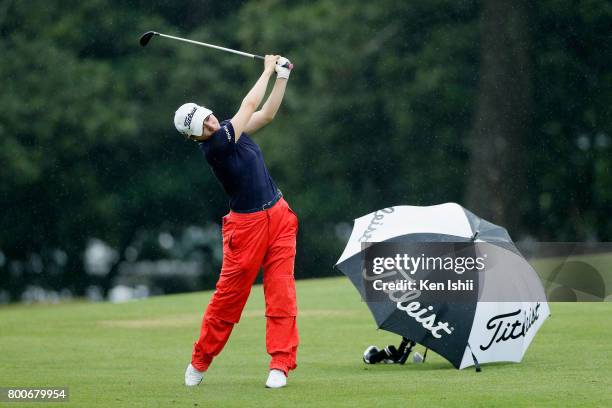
[282,72]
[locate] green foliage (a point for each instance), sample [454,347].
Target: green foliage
[569,156]
[378,112]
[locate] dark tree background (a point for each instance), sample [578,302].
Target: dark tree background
[503,107]
[504,113]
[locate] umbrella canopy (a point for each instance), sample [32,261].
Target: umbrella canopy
[495,322]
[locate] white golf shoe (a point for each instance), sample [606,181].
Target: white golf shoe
[276,379]
[193,377]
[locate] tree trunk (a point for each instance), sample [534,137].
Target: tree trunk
[503,114]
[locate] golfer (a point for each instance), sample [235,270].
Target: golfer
[259,230]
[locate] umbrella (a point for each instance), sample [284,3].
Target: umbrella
[495,321]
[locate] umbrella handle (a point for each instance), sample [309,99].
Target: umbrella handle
[476,363]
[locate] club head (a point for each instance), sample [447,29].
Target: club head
[146,37]
[417,358]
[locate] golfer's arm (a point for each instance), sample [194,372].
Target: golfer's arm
[249,104]
[267,112]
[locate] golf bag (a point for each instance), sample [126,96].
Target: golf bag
[391,354]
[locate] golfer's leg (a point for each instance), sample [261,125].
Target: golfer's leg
[223,311]
[279,288]
[281,311]
[241,263]
[214,333]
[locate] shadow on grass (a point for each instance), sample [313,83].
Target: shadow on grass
[437,365]
[433,366]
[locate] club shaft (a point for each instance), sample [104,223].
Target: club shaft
[244,54]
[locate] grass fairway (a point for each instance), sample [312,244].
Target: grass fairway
[135,354]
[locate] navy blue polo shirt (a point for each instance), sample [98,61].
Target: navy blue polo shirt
[240,168]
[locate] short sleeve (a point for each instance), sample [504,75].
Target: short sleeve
[223,140]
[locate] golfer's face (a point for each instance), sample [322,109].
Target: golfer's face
[211,125]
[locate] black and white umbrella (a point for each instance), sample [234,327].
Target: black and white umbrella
[497,323]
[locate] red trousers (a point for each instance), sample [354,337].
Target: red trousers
[264,238]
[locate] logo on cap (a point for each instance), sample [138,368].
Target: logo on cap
[189,117]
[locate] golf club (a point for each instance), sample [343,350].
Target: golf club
[146,37]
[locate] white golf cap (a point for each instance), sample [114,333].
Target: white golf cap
[189,119]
